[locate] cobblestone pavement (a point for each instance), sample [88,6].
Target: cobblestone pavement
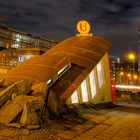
[93,124]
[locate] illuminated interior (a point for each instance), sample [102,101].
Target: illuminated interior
[92,83]
[84,91]
[74,97]
[100,74]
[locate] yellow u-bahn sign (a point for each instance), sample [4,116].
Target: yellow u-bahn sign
[83,27]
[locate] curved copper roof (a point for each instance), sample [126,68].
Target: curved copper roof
[84,52]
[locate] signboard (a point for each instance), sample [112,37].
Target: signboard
[83,27]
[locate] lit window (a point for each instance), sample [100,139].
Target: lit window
[84,91]
[100,74]
[17,39]
[92,83]
[74,97]
[15,45]
[63,69]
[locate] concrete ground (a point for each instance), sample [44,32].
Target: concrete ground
[120,122]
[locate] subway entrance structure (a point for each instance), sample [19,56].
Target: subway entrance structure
[76,69]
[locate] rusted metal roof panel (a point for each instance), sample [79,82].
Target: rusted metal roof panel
[82,51]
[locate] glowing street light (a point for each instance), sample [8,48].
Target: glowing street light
[121,73]
[135,76]
[128,74]
[132,57]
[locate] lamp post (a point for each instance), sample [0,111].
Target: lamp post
[132,57]
[135,78]
[128,75]
[121,74]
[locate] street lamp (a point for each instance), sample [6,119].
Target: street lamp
[135,78]
[128,75]
[121,74]
[132,57]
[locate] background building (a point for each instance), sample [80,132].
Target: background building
[114,61]
[124,71]
[139,48]
[17,46]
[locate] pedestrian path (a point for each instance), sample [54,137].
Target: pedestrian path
[128,104]
[117,123]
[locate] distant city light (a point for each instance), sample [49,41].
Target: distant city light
[128,74]
[17,39]
[135,76]
[118,60]
[131,56]
[121,73]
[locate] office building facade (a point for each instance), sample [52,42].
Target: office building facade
[17,46]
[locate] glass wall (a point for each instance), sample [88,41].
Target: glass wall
[84,91]
[74,97]
[92,84]
[100,74]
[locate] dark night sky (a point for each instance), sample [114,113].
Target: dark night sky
[117,20]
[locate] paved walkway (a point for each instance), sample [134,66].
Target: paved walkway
[129,104]
[118,123]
